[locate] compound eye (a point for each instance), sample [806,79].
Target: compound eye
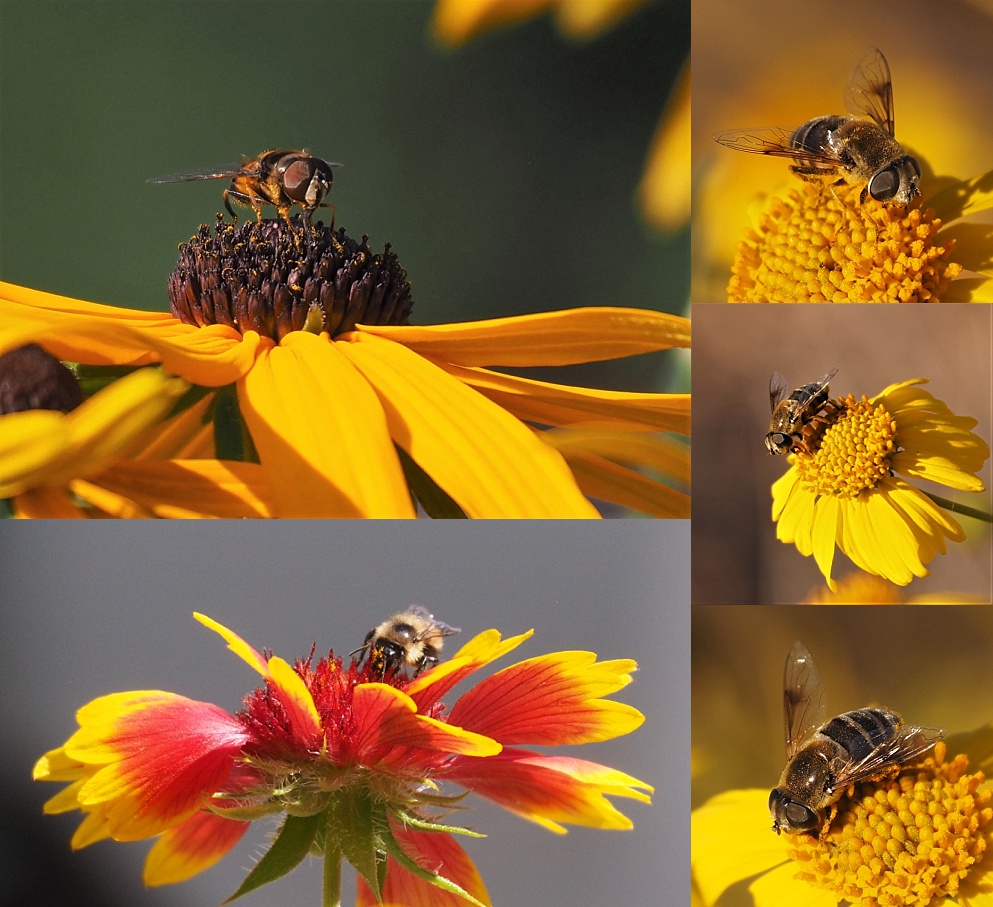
[800,817]
[296,179]
[884,186]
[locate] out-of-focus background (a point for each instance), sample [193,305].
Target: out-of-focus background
[780,63]
[503,173]
[736,557]
[931,665]
[109,609]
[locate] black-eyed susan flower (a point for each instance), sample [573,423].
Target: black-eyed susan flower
[920,838]
[821,244]
[355,758]
[299,338]
[850,492]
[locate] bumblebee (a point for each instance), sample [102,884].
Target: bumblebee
[411,638]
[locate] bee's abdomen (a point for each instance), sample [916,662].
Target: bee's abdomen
[862,731]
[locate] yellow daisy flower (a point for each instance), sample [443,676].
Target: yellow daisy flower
[344,408]
[817,245]
[849,490]
[920,838]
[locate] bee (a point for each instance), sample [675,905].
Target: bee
[858,151]
[793,416]
[281,178]
[825,759]
[412,637]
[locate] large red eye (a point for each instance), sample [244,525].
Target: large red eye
[296,179]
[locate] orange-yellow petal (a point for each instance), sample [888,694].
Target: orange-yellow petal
[565,337]
[549,700]
[191,847]
[484,458]
[387,718]
[321,434]
[550,790]
[437,852]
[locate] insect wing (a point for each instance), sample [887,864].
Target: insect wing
[804,700]
[825,380]
[778,142]
[777,390]
[225,171]
[441,629]
[906,746]
[870,90]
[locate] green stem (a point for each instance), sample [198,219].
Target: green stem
[331,894]
[956,507]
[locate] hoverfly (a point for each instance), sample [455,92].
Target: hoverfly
[281,178]
[858,151]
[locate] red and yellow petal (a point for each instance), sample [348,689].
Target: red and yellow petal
[152,757]
[481,650]
[321,433]
[484,458]
[549,700]
[388,728]
[187,849]
[550,790]
[566,337]
[437,852]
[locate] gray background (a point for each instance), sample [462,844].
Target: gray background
[88,613]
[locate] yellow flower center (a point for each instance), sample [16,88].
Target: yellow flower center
[821,245]
[854,452]
[907,841]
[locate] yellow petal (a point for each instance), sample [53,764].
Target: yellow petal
[484,458]
[565,337]
[665,186]
[321,433]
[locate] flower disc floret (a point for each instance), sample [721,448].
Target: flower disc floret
[906,842]
[275,277]
[854,452]
[820,244]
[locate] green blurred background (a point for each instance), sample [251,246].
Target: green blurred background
[503,173]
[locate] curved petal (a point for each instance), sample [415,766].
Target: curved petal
[321,433]
[236,644]
[731,842]
[296,699]
[387,718]
[560,404]
[190,489]
[483,457]
[437,852]
[155,757]
[188,849]
[550,700]
[550,790]
[41,447]
[547,338]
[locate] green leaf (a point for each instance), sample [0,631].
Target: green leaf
[426,492]
[354,822]
[292,844]
[423,825]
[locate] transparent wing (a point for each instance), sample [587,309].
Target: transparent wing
[777,141]
[909,743]
[777,390]
[804,701]
[826,379]
[225,171]
[870,90]
[442,629]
